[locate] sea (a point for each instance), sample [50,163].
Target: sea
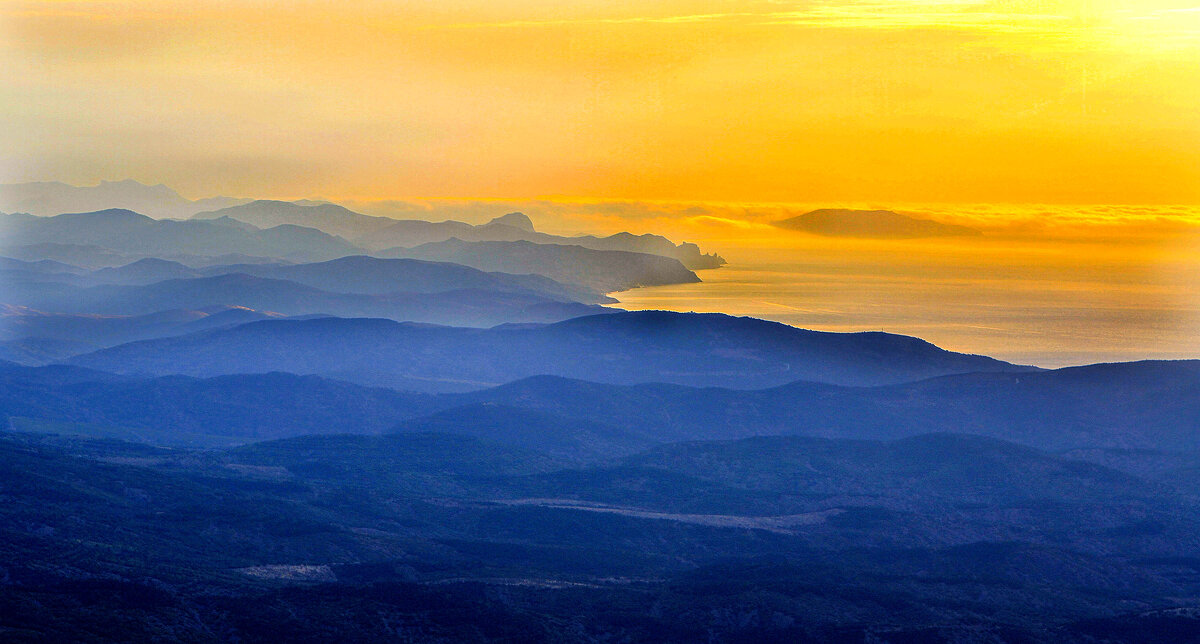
[1050,305]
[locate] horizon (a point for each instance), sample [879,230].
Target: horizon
[589,215]
[1052,287]
[917,101]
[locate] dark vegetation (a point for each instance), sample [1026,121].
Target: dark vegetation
[432,536]
[209,433]
[1139,417]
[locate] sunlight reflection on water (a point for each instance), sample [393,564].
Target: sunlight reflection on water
[1048,314]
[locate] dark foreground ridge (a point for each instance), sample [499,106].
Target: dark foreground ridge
[434,537]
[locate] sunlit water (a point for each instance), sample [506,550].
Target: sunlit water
[1018,306]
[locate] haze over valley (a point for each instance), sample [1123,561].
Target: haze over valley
[378,409]
[679,321]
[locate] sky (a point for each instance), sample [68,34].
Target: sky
[1066,130]
[701,101]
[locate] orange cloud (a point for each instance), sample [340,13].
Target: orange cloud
[808,101]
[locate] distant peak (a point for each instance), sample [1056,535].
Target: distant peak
[226,220]
[110,214]
[133,184]
[879,224]
[153,261]
[516,220]
[265,202]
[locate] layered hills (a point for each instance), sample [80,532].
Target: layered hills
[49,198]
[382,233]
[262,421]
[1139,406]
[125,231]
[692,349]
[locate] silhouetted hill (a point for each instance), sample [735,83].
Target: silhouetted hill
[1051,410]
[695,349]
[39,351]
[114,238]
[182,411]
[144,271]
[354,274]
[604,271]
[85,256]
[1129,405]
[42,266]
[125,231]
[234,223]
[687,253]
[375,276]
[328,217]
[406,233]
[515,220]
[882,224]
[15,270]
[517,227]
[179,411]
[464,307]
[49,198]
[17,375]
[673,412]
[84,333]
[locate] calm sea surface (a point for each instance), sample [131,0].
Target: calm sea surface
[1050,309]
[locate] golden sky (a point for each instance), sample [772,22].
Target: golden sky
[1054,101]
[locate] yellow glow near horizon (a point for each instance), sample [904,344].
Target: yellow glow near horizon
[1080,101]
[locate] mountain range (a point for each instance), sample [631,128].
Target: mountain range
[355,274]
[49,198]
[382,233]
[602,270]
[29,336]
[1138,406]
[1142,405]
[463,307]
[240,420]
[113,238]
[125,231]
[616,347]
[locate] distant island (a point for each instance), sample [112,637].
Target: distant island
[877,224]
